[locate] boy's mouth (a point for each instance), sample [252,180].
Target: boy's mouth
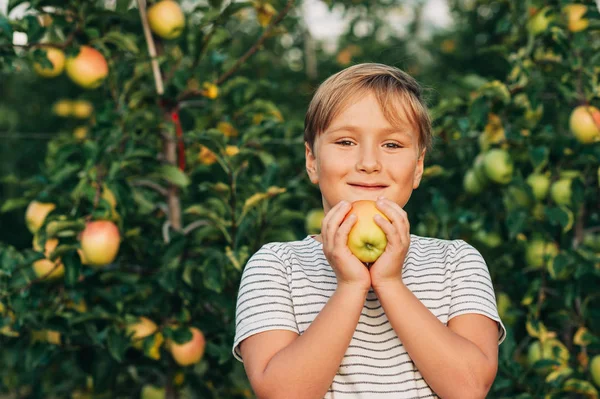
[368,186]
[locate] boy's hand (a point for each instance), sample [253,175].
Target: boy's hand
[388,267]
[334,232]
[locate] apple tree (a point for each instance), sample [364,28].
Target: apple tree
[148,202]
[516,173]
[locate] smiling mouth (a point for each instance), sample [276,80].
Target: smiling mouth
[371,188]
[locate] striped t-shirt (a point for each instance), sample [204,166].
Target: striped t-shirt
[285,285]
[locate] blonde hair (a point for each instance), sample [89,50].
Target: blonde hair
[386,82]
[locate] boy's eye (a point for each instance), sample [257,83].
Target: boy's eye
[392,145]
[344,142]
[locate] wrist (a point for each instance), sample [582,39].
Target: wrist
[352,288]
[395,284]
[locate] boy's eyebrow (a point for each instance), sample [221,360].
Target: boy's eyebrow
[356,129]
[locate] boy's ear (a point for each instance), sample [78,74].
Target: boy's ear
[419,170]
[311,164]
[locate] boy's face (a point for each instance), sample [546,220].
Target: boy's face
[362,156]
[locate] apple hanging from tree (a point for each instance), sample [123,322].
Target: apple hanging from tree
[82,109]
[471,183]
[539,21]
[190,352]
[498,166]
[550,349]
[560,191]
[314,220]
[42,267]
[100,242]
[574,14]
[584,123]
[595,369]
[36,214]
[540,184]
[166,19]
[366,239]
[537,252]
[88,68]
[56,58]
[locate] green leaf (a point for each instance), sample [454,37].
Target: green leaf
[515,222]
[559,216]
[5,28]
[72,264]
[117,344]
[13,203]
[125,42]
[174,175]
[539,157]
[122,5]
[180,335]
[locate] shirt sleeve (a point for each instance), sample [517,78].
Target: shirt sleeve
[264,299]
[472,289]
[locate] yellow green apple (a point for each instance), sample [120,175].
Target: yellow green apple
[152,392]
[471,183]
[574,14]
[314,220]
[56,58]
[88,68]
[595,369]
[190,352]
[82,109]
[100,241]
[42,267]
[36,214]
[62,107]
[560,191]
[550,349]
[537,250]
[366,239]
[498,166]
[584,123]
[166,19]
[540,184]
[141,329]
[539,21]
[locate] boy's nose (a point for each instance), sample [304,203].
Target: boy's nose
[368,161]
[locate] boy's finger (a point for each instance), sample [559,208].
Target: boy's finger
[392,210]
[330,222]
[341,236]
[392,232]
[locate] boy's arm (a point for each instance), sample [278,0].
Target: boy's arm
[458,361]
[281,364]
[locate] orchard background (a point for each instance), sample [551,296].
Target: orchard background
[181,140]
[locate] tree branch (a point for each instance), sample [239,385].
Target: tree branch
[150,184]
[247,54]
[151,48]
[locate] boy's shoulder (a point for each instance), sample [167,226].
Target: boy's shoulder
[434,242]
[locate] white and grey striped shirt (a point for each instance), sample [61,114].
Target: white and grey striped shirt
[285,285]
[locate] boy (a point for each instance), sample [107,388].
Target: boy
[421,322]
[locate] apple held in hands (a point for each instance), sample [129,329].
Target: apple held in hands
[366,239]
[100,242]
